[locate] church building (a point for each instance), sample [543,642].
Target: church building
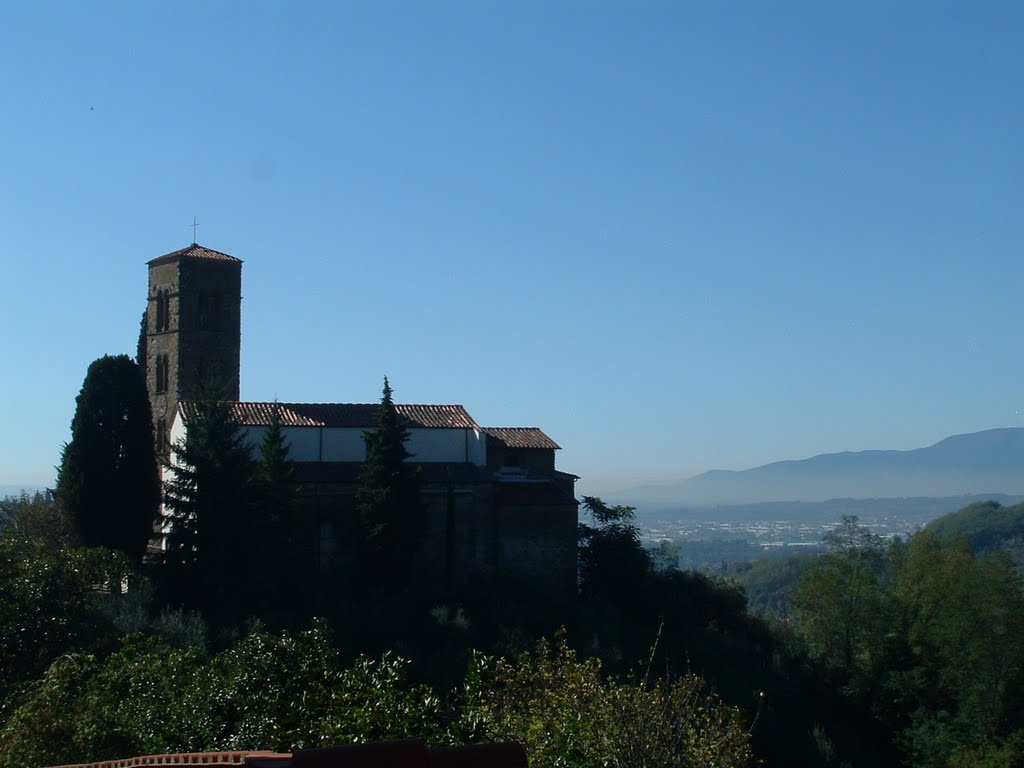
[497,507]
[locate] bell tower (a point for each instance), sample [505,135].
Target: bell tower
[193,329]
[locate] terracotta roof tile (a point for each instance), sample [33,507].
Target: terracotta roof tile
[521,437]
[361,415]
[195,251]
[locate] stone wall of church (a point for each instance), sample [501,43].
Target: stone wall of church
[538,543]
[210,317]
[162,323]
[470,541]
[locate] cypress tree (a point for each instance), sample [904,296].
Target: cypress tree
[108,480]
[387,501]
[141,347]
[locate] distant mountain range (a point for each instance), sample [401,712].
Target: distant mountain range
[989,462]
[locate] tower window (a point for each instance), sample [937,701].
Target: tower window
[162,373]
[163,310]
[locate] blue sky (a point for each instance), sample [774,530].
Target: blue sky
[676,236]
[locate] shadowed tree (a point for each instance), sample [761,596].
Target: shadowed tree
[391,519]
[208,500]
[107,481]
[281,536]
[141,348]
[612,560]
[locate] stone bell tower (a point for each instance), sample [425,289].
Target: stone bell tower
[193,329]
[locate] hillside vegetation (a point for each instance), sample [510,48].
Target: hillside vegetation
[988,526]
[892,653]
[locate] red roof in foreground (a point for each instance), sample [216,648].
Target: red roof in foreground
[408,753]
[210,759]
[360,415]
[195,251]
[521,437]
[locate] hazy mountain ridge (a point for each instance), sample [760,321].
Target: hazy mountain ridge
[978,463]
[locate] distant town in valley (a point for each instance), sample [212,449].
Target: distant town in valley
[721,517]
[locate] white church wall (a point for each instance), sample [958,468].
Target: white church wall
[177,433]
[478,448]
[454,446]
[343,444]
[303,442]
[438,445]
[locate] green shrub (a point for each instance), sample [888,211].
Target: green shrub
[568,716]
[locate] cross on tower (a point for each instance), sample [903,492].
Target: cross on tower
[195,226]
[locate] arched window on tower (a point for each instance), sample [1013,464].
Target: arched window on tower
[163,310]
[158,319]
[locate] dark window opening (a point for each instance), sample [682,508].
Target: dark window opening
[162,373]
[161,435]
[162,316]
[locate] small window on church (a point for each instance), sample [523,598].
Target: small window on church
[161,435]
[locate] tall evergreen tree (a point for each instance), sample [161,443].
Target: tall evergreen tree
[141,348]
[388,503]
[281,536]
[108,480]
[275,472]
[208,499]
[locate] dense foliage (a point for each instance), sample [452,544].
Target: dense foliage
[47,607]
[291,690]
[896,653]
[566,713]
[926,635]
[107,479]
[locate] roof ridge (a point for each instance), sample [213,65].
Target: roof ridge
[325,402]
[195,250]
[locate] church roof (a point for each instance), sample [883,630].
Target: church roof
[362,415]
[195,251]
[521,437]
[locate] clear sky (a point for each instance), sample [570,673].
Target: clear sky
[676,236]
